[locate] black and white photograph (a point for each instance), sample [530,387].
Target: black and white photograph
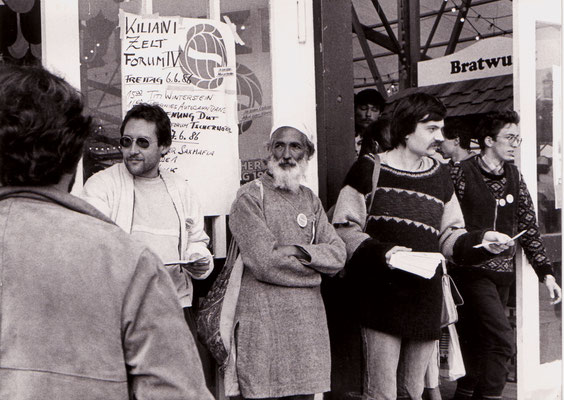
[281,199]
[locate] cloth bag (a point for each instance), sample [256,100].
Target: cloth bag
[216,314]
[454,367]
[451,299]
[215,319]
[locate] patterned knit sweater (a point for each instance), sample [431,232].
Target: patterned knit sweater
[497,187]
[412,209]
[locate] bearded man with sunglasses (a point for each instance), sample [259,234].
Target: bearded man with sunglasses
[86,312]
[155,206]
[493,195]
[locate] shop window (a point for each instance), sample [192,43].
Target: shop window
[20,32]
[100,62]
[549,177]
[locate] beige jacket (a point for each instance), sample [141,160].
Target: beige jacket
[112,192]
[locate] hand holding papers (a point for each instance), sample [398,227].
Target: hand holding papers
[197,266]
[484,243]
[418,263]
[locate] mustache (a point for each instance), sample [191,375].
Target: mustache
[289,163]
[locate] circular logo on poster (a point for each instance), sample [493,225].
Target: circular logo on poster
[249,94]
[204,52]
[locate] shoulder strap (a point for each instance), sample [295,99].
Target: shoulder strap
[259,184]
[375,176]
[233,251]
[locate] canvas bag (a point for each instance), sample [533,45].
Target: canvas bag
[451,299]
[454,367]
[215,319]
[216,314]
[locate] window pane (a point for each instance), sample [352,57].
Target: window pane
[101,74]
[549,156]
[250,19]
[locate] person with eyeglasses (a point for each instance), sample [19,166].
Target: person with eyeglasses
[86,311]
[412,207]
[493,195]
[155,206]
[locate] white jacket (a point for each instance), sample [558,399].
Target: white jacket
[112,192]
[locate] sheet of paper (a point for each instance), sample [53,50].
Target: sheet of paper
[513,238]
[418,263]
[186,262]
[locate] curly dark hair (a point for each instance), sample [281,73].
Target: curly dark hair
[151,113]
[410,110]
[491,123]
[42,126]
[456,128]
[369,96]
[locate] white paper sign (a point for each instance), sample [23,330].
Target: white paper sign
[187,66]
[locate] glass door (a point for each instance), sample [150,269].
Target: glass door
[538,98]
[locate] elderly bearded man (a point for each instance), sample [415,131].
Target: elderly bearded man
[286,244]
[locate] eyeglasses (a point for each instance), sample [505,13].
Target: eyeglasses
[514,140]
[127,141]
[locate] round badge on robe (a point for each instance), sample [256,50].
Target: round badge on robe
[302,220]
[502,202]
[510,198]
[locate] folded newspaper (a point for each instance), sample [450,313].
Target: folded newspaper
[416,262]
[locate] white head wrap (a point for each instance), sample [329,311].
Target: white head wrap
[297,125]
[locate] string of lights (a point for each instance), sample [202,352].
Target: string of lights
[490,20]
[393,78]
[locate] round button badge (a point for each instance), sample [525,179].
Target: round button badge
[302,220]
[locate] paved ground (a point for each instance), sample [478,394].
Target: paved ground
[448,388]
[447,391]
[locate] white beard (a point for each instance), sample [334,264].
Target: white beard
[287,179]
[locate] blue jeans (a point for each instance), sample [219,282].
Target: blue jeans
[394,367]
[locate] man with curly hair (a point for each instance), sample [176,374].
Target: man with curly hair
[493,194]
[86,312]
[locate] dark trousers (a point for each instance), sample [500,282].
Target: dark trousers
[205,356]
[486,337]
[298,397]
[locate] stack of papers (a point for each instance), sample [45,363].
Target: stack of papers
[416,262]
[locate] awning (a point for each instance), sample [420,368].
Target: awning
[474,96]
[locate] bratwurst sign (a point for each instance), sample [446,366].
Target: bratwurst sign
[485,58]
[187,66]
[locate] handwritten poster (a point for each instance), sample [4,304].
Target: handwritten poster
[187,66]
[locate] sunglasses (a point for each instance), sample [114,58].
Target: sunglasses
[127,141]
